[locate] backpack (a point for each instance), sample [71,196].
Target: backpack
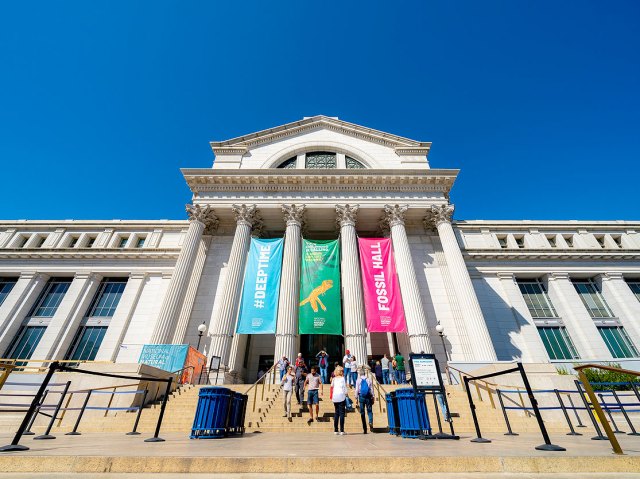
[364,388]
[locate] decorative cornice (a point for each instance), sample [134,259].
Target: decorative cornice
[204,215]
[90,253]
[347,214]
[245,214]
[549,254]
[394,214]
[294,214]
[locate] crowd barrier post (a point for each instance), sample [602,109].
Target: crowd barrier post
[504,413]
[635,390]
[626,416]
[566,415]
[472,406]
[29,432]
[575,411]
[75,432]
[47,434]
[134,431]
[436,408]
[155,437]
[547,446]
[599,436]
[616,430]
[15,446]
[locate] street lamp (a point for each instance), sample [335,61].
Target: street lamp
[440,331]
[201,329]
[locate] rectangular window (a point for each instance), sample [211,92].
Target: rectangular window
[140,242]
[592,298]
[569,240]
[634,285]
[25,342]
[552,240]
[617,239]
[618,341]
[40,241]
[502,240]
[86,343]
[557,342]
[72,242]
[537,299]
[22,241]
[6,285]
[107,298]
[122,241]
[50,298]
[600,240]
[519,241]
[90,241]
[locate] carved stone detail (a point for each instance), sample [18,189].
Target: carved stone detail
[294,214]
[204,215]
[440,214]
[347,214]
[394,215]
[245,214]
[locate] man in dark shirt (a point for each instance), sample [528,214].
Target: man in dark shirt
[301,375]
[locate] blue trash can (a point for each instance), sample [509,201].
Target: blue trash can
[412,425]
[393,415]
[235,414]
[212,414]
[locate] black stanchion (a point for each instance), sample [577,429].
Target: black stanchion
[75,432]
[626,416]
[547,446]
[478,437]
[155,437]
[134,431]
[635,390]
[47,434]
[616,430]
[575,412]
[506,418]
[29,432]
[598,436]
[566,415]
[15,446]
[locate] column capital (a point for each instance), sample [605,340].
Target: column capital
[204,215]
[346,214]
[245,214]
[294,214]
[394,215]
[438,214]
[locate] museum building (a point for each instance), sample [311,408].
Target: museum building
[538,291]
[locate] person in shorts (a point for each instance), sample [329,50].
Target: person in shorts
[313,383]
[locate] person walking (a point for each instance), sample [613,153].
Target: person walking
[377,369]
[339,399]
[314,384]
[299,359]
[287,388]
[384,362]
[393,378]
[345,363]
[323,364]
[301,375]
[353,365]
[364,398]
[402,378]
[283,366]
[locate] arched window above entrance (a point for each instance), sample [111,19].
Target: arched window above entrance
[322,160]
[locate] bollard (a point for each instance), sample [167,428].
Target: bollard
[134,431]
[504,413]
[47,434]
[626,416]
[608,411]
[75,432]
[575,411]
[155,437]
[478,438]
[566,415]
[29,432]
[598,436]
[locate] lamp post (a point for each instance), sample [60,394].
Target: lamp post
[440,331]
[201,329]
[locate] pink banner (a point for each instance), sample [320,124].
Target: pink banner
[382,299]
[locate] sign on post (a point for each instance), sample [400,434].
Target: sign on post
[425,372]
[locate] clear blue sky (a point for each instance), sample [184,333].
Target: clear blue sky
[101,102]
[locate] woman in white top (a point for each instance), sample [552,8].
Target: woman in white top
[287,388]
[339,398]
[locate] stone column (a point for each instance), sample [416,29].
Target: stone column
[355,328]
[481,344]
[417,329]
[623,303]
[199,219]
[223,324]
[287,341]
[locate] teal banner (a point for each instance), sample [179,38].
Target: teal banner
[259,305]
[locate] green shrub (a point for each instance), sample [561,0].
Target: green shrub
[604,376]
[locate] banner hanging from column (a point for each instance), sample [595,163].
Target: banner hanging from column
[259,305]
[382,297]
[320,307]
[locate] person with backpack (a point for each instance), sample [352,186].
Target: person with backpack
[339,398]
[364,398]
[323,365]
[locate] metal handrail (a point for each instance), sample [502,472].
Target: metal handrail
[262,380]
[193,368]
[24,365]
[6,371]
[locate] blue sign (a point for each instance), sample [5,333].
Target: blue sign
[169,357]
[259,305]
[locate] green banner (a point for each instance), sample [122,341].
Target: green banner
[320,308]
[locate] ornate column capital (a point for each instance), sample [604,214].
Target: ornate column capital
[245,214]
[437,215]
[393,215]
[294,214]
[346,214]
[204,215]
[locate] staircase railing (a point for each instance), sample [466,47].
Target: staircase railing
[261,380]
[6,371]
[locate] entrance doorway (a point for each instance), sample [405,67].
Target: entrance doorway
[312,344]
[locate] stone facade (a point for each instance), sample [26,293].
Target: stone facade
[465,275]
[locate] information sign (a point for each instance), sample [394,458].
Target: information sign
[425,372]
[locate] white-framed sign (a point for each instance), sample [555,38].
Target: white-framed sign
[425,372]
